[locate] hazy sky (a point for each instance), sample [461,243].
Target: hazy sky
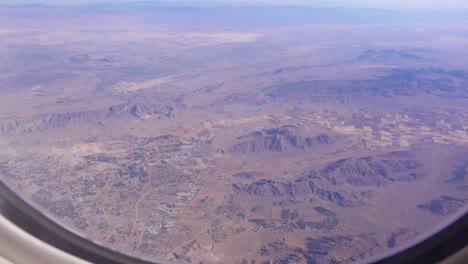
[439,4]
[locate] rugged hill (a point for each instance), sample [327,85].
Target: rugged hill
[304,186]
[372,171]
[278,140]
[397,83]
[43,122]
[400,237]
[323,249]
[460,174]
[445,205]
[336,182]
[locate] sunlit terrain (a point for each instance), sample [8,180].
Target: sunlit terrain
[237,134]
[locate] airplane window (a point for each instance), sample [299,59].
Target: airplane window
[237,132]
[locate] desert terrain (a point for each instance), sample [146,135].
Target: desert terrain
[216,135]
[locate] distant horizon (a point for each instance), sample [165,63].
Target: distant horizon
[454,5]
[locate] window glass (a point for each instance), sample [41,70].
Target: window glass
[234,132]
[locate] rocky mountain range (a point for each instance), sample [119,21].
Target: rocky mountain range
[281,139]
[336,181]
[445,205]
[43,122]
[372,171]
[398,82]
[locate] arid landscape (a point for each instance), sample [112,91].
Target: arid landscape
[239,134]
